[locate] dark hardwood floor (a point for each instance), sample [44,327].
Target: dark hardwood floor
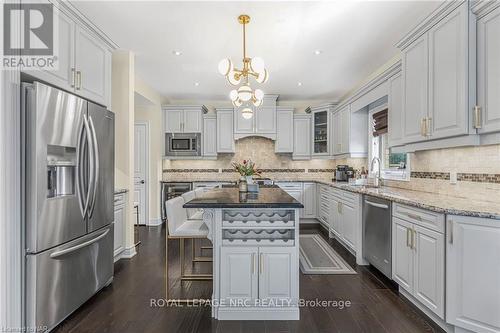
[125,305]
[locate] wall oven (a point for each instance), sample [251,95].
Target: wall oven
[182,144]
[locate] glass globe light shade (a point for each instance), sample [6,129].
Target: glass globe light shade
[247,113]
[225,66]
[259,94]
[231,79]
[237,103]
[245,93]
[233,95]
[263,76]
[257,64]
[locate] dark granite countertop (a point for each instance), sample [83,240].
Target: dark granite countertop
[230,197]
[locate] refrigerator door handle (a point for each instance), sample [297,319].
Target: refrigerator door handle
[79,170]
[58,254]
[91,165]
[96,166]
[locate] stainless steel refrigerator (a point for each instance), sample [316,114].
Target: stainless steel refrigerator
[68,176]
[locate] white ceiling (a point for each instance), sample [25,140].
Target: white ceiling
[355,37]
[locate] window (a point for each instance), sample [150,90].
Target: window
[393,166]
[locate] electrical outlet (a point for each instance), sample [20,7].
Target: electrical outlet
[453,177]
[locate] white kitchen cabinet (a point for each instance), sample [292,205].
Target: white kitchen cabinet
[321,131]
[225,138]
[183,118]
[415,89]
[93,67]
[277,267]
[418,256]
[209,142]
[348,215]
[488,69]
[242,125]
[284,131]
[295,190]
[301,137]
[473,273]
[334,217]
[238,273]
[120,218]
[344,217]
[265,120]
[350,132]
[324,205]
[448,114]
[309,200]
[402,254]
[395,110]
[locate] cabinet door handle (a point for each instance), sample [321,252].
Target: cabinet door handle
[253,263]
[414,239]
[477,117]
[408,237]
[428,126]
[78,80]
[422,127]
[261,262]
[450,231]
[72,77]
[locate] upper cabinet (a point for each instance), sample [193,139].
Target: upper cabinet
[225,136]
[209,142]
[183,118]
[487,117]
[84,59]
[395,110]
[321,130]
[262,123]
[302,137]
[284,130]
[435,76]
[349,132]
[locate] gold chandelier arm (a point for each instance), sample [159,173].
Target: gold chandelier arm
[244,41]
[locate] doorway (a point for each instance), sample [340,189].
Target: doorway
[141,172]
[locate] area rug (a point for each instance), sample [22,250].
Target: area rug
[318,257]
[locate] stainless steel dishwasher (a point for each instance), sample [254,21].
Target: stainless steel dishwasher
[377,234]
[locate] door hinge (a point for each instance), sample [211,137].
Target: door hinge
[477,117]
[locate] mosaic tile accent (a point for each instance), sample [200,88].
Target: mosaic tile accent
[430,175]
[190,170]
[322,170]
[479,177]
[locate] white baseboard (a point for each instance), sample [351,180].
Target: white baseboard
[155,222]
[129,252]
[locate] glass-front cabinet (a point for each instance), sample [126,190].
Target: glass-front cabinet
[321,130]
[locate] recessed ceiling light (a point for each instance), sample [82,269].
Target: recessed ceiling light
[197,84]
[299,84]
[318,52]
[177,53]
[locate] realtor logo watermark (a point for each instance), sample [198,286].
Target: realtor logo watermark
[29,36]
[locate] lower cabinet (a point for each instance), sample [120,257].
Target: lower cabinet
[309,200]
[345,216]
[120,217]
[418,263]
[473,273]
[250,273]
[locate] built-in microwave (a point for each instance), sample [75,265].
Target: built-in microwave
[182,144]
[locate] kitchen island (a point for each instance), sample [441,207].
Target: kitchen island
[255,239]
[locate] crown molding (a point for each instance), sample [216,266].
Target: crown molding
[188,107]
[483,7]
[322,107]
[373,83]
[442,11]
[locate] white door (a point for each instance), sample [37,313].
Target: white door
[141,163]
[63,77]
[309,200]
[242,125]
[192,121]
[448,79]
[429,269]
[265,120]
[284,132]
[278,273]
[395,112]
[302,137]
[173,121]
[402,254]
[93,65]
[473,273]
[225,139]
[345,121]
[209,136]
[488,70]
[349,218]
[415,89]
[238,274]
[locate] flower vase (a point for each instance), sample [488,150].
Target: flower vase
[249,179]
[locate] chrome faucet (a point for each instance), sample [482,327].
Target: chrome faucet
[378,178]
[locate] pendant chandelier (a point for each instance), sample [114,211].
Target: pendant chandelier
[244,95]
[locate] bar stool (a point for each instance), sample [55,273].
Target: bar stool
[195,214]
[180,227]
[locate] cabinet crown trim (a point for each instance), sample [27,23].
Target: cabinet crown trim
[442,11]
[185,107]
[323,107]
[483,7]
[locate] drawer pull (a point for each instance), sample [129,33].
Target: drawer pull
[450,231]
[414,216]
[408,237]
